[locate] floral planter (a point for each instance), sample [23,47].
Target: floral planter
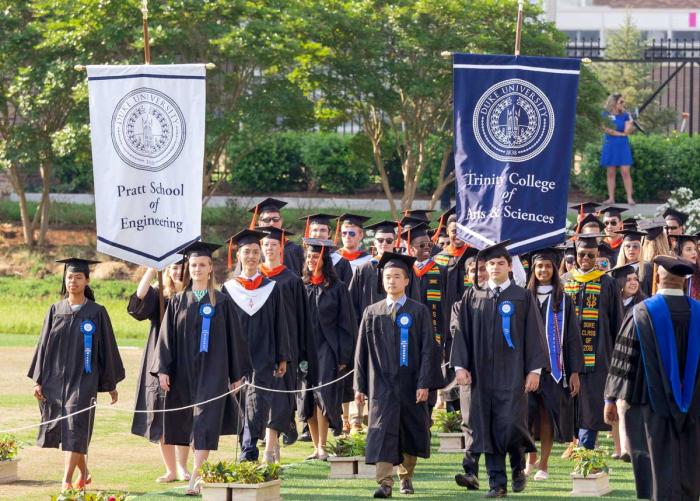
[595,484]
[266,491]
[8,471]
[344,467]
[451,442]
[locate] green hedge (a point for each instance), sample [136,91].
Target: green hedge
[660,164]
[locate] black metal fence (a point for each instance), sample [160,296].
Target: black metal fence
[675,72]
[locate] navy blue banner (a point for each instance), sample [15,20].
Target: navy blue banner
[514,129]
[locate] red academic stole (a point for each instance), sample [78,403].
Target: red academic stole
[317,280]
[249,284]
[614,245]
[456,251]
[425,269]
[271,272]
[350,255]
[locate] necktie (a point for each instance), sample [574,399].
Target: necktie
[496,293]
[394,309]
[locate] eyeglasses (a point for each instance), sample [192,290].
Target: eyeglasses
[423,245]
[348,233]
[271,219]
[589,255]
[612,222]
[381,240]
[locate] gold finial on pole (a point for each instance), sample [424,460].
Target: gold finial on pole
[519,27]
[146,41]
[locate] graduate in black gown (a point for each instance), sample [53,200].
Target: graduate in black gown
[349,229]
[498,348]
[655,369]
[259,305]
[332,328]
[552,412]
[396,365]
[144,304]
[631,293]
[268,213]
[76,358]
[301,343]
[631,253]
[319,226]
[599,313]
[612,220]
[201,354]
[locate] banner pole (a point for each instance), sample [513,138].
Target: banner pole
[519,28]
[146,41]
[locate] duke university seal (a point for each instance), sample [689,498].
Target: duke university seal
[148,129]
[513,121]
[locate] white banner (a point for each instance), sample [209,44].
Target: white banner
[147,127]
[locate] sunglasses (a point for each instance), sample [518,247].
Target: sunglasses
[348,233]
[570,259]
[271,219]
[383,240]
[589,255]
[423,245]
[612,222]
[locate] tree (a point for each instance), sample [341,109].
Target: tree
[633,79]
[380,63]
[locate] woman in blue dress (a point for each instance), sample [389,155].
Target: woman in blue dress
[617,124]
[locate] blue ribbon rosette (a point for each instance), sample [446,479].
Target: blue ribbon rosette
[87,327]
[206,311]
[506,310]
[404,321]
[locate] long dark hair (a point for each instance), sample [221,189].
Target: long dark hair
[330,277]
[556,297]
[88,291]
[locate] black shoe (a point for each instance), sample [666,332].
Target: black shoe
[383,492]
[407,486]
[337,432]
[498,492]
[519,482]
[304,437]
[290,437]
[468,480]
[626,458]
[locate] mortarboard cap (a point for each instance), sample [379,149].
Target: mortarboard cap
[268,205]
[394,260]
[552,254]
[630,223]
[319,218]
[355,219]
[588,240]
[676,215]
[591,219]
[415,231]
[420,214]
[682,239]
[246,236]
[676,265]
[410,221]
[612,210]
[384,226]
[653,229]
[317,244]
[273,232]
[585,207]
[494,251]
[622,272]
[77,264]
[632,235]
[200,248]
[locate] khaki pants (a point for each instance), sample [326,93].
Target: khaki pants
[353,413]
[385,471]
[465,402]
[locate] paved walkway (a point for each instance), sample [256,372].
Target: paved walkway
[309,203]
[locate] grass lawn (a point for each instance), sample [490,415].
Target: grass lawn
[119,460]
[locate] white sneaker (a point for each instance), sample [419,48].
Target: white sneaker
[530,467]
[540,476]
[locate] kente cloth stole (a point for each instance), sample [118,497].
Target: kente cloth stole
[587,307]
[434,297]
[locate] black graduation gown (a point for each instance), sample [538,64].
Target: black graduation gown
[268,342]
[58,366]
[294,257]
[344,271]
[556,397]
[397,424]
[498,412]
[333,331]
[301,345]
[198,376]
[664,441]
[149,395]
[648,279]
[590,401]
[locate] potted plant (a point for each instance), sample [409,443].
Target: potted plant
[590,475]
[9,448]
[449,431]
[247,480]
[79,495]
[346,453]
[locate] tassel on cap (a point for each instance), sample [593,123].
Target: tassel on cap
[436,235]
[255,217]
[307,229]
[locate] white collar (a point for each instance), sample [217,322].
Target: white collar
[544,289]
[628,300]
[492,285]
[671,292]
[420,264]
[250,301]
